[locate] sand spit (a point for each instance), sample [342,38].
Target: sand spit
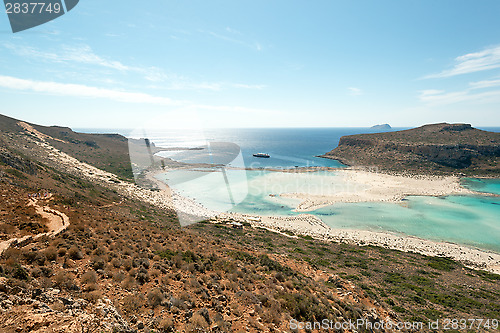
[364,186]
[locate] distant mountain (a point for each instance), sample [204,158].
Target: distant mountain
[382,127]
[437,149]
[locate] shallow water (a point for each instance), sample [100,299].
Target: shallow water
[467,220]
[482,185]
[471,220]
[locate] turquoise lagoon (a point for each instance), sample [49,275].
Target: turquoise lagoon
[482,185]
[469,220]
[472,220]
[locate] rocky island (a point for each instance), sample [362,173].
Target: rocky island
[430,149]
[382,127]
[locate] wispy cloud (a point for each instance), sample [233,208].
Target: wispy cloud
[85,91]
[80,54]
[234,37]
[233,31]
[80,90]
[472,62]
[84,55]
[353,91]
[440,97]
[484,84]
[181,83]
[249,86]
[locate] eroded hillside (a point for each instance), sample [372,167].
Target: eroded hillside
[430,149]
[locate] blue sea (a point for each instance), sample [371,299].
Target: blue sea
[471,220]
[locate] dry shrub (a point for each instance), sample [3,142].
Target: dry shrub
[12,256]
[155,298]
[119,276]
[51,253]
[116,262]
[75,253]
[197,323]
[45,283]
[127,264]
[20,273]
[177,302]
[142,275]
[35,257]
[289,285]
[89,287]
[272,315]
[92,296]
[155,273]
[98,263]
[128,283]
[177,261]
[64,280]
[133,303]
[62,252]
[279,276]
[89,277]
[166,280]
[167,325]
[58,306]
[7,228]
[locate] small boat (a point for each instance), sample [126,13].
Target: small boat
[263,155]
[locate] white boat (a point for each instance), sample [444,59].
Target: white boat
[263,155]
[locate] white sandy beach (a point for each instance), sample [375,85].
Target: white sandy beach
[306,224]
[372,187]
[364,186]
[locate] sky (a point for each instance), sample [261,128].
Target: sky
[118,64]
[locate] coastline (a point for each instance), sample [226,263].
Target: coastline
[310,225]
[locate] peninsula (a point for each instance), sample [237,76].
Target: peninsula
[436,149]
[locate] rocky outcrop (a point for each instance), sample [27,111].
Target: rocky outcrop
[49,310]
[17,162]
[437,148]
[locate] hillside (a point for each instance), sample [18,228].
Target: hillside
[105,151]
[430,149]
[123,264]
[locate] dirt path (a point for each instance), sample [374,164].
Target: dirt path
[36,133]
[57,222]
